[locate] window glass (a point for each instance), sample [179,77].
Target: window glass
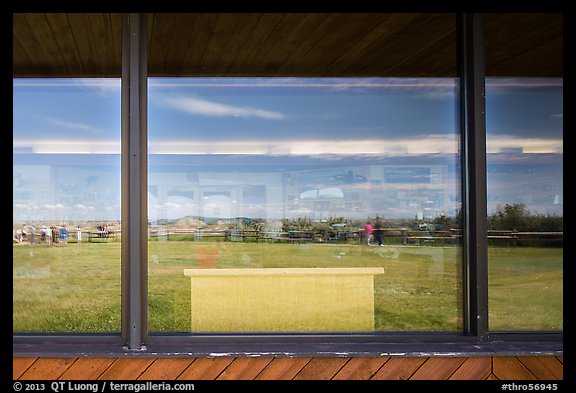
[66,205]
[260,189]
[525,202]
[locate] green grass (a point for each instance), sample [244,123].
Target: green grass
[66,288]
[525,288]
[76,288]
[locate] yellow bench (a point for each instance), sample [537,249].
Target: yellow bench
[282,299]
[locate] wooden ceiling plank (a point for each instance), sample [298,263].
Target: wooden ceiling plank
[200,36]
[80,33]
[311,56]
[286,38]
[244,60]
[21,59]
[40,43]
[215,53]
[427,34]
[542,61]
[66,42]
[274,44]
[105,35]
[439,59]
[524,44]
[371,41]
[115,23]
[23,43]
[188,44]
[159,47]
[385,51]
[184,27]
[353,44]
[238,40]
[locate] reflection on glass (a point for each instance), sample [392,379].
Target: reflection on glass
[66,205]
[525,203]
[259,191]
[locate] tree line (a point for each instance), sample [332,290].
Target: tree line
[517,217]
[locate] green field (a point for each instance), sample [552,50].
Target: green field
[76,287]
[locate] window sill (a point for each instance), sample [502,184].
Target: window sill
[411,345]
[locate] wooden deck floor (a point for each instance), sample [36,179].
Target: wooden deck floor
[316,368]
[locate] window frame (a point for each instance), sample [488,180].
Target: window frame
[135,340]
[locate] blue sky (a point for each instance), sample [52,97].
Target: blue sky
[280,112]
[284,117]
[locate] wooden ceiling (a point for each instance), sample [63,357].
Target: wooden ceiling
[276,44]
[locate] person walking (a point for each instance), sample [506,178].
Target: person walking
[63,232]
[369,231]
[379,231]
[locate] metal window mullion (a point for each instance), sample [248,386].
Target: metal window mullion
[473,149]
[134,180]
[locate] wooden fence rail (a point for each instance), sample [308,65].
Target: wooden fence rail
[403,235]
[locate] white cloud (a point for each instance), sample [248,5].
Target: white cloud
[423,144]
[101,86]
[502,143]
[208,108]
[98,85]
[74,125]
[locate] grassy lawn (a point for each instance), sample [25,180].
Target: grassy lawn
[76,288]
[525,288]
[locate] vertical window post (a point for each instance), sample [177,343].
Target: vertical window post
[134,180]
[473,146]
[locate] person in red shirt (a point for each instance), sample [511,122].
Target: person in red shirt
[369,233]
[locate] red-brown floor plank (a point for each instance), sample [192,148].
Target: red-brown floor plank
[206,369]
[167,369]
[87,368]
[543,367]
[126,369]
[438,368]
[477,368]
[244,368]
[399,368]
[47,368]
[283,368]
[474,369]
[510,368]
[360,368]
[20,365]
[321,368]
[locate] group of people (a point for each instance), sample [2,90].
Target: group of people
[48,234]
[374,232]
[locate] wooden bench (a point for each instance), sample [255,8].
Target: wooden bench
[282,299]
